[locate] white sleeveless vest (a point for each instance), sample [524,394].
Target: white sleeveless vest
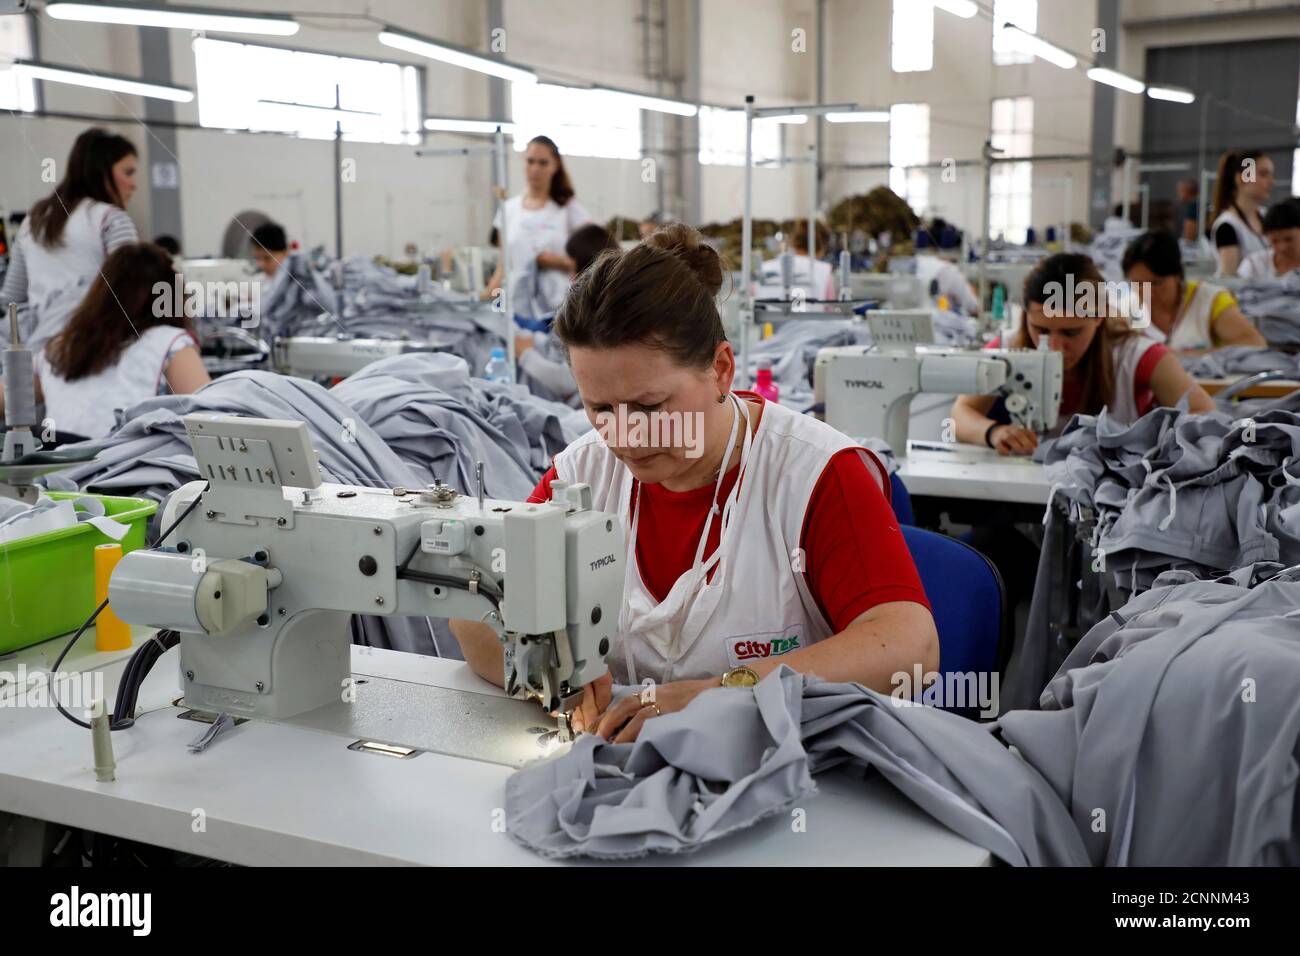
[757,604]
[1127,353]
[1192,328]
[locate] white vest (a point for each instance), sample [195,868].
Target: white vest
[757,604]
[1192,327]
[1127,353]
[1248,240]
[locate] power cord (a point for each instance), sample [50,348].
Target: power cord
[142,660]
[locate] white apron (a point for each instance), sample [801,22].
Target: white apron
[757,604]
[1192,327]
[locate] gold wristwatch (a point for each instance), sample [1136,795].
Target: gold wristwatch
[739,677]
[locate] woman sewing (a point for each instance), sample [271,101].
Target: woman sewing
[769,542]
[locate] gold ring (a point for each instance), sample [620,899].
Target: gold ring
[658,712]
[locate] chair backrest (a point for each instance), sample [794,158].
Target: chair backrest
[901,500]
[966,599]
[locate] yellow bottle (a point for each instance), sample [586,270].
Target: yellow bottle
[111,632]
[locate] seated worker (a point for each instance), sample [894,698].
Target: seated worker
[1190,316]
[116,350]
[1282,230]
[270,248]
[767,541]
[550,376]
[939,274]
[819,283]
[1124,371]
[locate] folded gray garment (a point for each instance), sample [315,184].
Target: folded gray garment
[1168,737]
[1240,360]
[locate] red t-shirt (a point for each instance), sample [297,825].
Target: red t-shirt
[1143,396]
[855,555]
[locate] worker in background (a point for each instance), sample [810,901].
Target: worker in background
[653,222]
[1245,178]
[1106,365]
[538,223]
[552,373]
[168,244]
[270,248]
[1282,230]
[811,279]
[1188,315]
[938,274]
[1188,209]
[767,542]
[128,340]
[66,237]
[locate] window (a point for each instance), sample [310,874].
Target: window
[909,145]
[16,93]
[1024,14]
[911,45]
[582,122]
[242,86]
[722,138]
[1011,184]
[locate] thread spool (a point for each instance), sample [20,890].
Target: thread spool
[111,632]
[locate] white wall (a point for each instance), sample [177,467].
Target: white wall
[960,90]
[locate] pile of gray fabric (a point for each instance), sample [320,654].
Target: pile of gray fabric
[1240,360]
[1169,738]
[298,294]
[1274,306]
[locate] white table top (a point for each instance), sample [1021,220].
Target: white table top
[970,472]
[272,793]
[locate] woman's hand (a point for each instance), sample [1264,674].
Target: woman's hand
[522,344]
[1013,440]
[595,698]
[626,718]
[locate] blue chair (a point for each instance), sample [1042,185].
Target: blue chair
[968,602]
[901,500]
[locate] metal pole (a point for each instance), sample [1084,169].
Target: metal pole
[338,175]
[507,300]
[1145,190]
[1200,168]
[1069,206]
[812,213]
[1126,198]
[746,241]
[984,218]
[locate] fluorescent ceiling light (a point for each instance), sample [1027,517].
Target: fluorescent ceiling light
[859,116]
[793,119]
[1120,81]
[455,56]
[115,84]
[440,125]
[175,18]
[656,103]
[1034,45]
[958,8]
[1172,94]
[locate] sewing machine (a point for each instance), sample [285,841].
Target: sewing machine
[261,577]
[324,355]
[867,391]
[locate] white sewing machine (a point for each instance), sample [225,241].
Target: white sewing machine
[867,391]
[316,355]
[261,577]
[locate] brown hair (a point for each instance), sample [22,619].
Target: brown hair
[796,235]
[1096,370]
[89,175]
[586,244]
[561,188]
[658,293]
[1225,185]
[119,305]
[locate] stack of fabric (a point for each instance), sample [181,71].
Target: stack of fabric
[1240,360]
[1274,306]
[1109,746]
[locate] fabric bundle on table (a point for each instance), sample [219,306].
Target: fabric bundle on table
[1240,360]
[1274,306]
[1147,751]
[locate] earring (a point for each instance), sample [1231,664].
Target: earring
[721,398]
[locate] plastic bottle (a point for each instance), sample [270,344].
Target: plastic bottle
[999,297]
[497,368]
[764,386]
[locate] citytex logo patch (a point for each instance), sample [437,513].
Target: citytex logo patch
[747,648]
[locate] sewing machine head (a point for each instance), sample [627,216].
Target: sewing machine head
[263,574]
[867,392]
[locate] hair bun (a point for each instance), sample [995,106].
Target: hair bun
[688,245]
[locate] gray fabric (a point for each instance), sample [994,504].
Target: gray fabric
[1168,738]
[1274,306]
[735,757]
[1240,360]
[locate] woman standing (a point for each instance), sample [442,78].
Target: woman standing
[1245,178]
[66,237]
[538,223]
